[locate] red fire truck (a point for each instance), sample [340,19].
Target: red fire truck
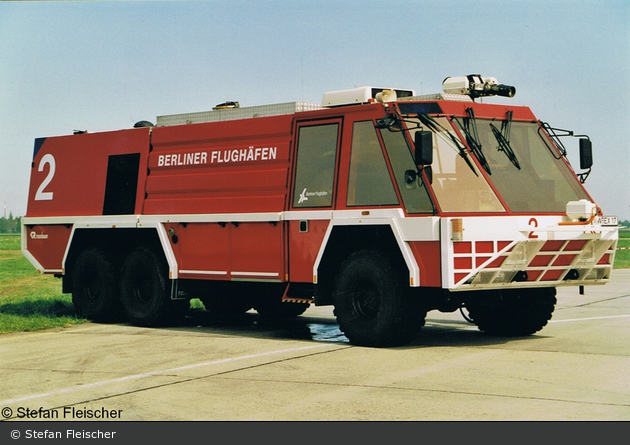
[377,201]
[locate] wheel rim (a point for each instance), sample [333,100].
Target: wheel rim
[366,301]
[142,287]
[92,290]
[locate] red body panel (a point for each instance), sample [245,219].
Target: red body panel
[202,250]
[304,247]
[220,167]
[257,251]
[47,243]
[68,174]
[427,254]
[223,251]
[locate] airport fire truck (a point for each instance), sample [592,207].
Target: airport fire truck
[380,202]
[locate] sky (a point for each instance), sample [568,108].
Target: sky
[101,66]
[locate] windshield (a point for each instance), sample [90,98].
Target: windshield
[493,157]
[527,175]
[457,182]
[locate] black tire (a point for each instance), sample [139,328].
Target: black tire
[514,312]
[145,290]
[95,287]
[372,302]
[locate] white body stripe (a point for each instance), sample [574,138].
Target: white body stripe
[502,232]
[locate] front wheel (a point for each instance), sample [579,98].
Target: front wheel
[512,313]
[145,290]
[372,302]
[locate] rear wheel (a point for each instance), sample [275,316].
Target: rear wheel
[95,286]
[514,312]
[145,290]
[372,302]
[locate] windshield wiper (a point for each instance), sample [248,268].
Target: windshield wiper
[436,127]
[469,128]
[503,138]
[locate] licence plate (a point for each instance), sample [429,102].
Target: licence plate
[608,221]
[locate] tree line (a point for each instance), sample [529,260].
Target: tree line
[10,224]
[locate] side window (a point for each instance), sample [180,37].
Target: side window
[369,182]
[414,193]
[315,170]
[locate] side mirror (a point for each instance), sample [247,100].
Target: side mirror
[423,141]
[586,154]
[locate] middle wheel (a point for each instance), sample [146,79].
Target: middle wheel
[145,291]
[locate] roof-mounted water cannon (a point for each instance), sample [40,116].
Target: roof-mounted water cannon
[476,86]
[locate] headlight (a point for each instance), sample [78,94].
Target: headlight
[581,210]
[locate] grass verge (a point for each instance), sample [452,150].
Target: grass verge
[29,301]
[622,257]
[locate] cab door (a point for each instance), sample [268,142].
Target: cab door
[313,193]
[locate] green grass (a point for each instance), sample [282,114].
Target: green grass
[29,301]
[9,241]
[622,257]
